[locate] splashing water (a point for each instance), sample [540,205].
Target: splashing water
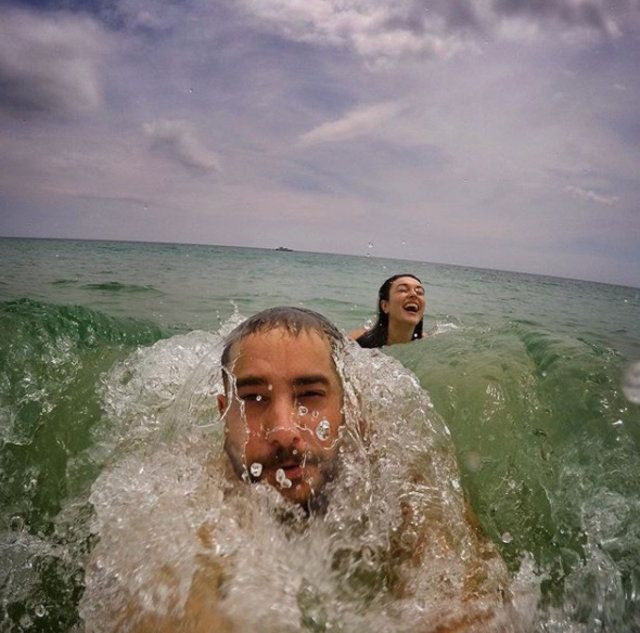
[282,479]
[322,430]
[256,469]
[164,512]
[631,383]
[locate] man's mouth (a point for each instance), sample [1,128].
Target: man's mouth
[292,470]
[293,466]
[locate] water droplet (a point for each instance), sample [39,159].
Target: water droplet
[315,414]
[617,423]
[26,621]
[370,245]
[30,485]
[270,387]
[16,523]
[40,611]
[404,243]
[473,461]
[258,398]
[302,411]
[506,537]
[322,430]
[282,478]
[256,469]
[631,383]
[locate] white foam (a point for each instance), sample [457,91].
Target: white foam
[397,493]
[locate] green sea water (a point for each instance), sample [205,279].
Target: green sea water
[527,372]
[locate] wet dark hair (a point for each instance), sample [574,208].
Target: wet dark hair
[378,334]
[292,319]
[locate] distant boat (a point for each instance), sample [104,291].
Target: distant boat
[284,249]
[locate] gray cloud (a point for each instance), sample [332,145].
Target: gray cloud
[591,14]
[49,63]
[380,30]
[376,30]
[177,139]
[591,196]
[421,15]
[358,122]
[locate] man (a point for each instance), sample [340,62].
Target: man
[384,522]
[282,405]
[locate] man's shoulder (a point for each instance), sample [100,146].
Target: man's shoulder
[356,334]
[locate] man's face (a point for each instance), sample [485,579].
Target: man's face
[283,416]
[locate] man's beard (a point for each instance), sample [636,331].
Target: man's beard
[327,467]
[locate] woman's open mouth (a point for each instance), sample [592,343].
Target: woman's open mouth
[412,306]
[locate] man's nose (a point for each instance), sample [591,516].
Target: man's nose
[284,425]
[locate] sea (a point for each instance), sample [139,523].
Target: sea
[536,378]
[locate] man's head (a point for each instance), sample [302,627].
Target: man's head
[282,405]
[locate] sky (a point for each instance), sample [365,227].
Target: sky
[494,133]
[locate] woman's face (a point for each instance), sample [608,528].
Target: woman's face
[406,301]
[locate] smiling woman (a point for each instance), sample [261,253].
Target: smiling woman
[401,305]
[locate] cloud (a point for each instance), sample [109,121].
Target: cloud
[592,196]
[356,123]
[595,15]
[382,31]
[177,139]
[375,29]
[49,63]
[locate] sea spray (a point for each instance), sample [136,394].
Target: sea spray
[343,568]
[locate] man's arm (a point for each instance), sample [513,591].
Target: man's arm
[201,612]
[476,597]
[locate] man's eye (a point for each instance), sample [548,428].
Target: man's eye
[311,393]
[251,397]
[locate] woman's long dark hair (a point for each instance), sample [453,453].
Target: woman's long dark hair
[378,334]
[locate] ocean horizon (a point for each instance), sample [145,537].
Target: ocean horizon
[287,249]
